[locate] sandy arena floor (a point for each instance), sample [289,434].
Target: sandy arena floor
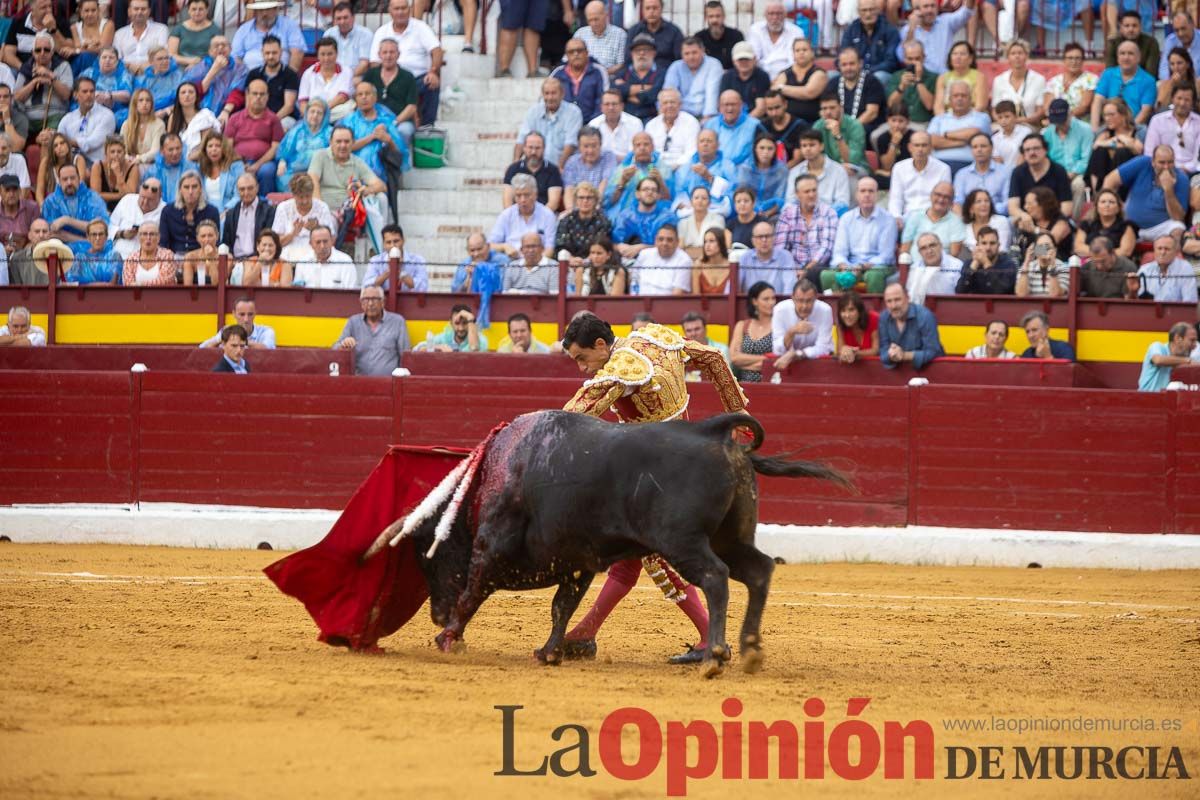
[154,672]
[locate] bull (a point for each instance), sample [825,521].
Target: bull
[557,497]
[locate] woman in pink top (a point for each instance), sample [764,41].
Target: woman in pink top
[150,264]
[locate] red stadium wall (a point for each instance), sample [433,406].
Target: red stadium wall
[988,457]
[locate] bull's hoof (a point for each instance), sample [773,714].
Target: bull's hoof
[752,661]
[722,652]
[447,642]
[577,649]
[694,655]
[711,668]
[550,659]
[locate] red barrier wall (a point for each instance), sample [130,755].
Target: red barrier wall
[288,441]
[67,437]
[290,360]
[1020,457]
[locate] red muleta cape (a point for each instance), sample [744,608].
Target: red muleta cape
[356,604]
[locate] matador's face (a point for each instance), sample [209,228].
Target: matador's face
[589,359]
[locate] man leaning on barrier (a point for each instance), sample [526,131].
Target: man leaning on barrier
[376,336]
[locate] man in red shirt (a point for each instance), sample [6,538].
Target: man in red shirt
[256,133]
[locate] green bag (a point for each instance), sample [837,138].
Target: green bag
[430,148]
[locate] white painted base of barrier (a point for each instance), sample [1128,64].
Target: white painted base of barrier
[980,547]
[183,525]
[172,524]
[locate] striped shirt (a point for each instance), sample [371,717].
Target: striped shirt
[608,49]
[804,240]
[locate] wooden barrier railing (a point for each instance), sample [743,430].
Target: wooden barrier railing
[1072,313]
[1009,457]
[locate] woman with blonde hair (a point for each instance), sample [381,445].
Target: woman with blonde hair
[144,129]
[180,220]
[219,168]
[1025,87]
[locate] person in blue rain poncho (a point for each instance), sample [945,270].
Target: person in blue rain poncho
[221,79]
[114,84]
[303,140]
[766,173]
[161,78]
[95,259]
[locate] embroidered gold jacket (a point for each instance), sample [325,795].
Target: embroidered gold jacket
[643,380]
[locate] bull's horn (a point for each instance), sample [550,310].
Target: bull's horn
[381,540]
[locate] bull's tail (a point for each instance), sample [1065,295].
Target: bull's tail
[781,466]
[723,424]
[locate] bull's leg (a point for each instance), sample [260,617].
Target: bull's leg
[566,600]
[751,566]
[472,597]
[702,568]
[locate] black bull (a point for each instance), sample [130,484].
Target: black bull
[560,496]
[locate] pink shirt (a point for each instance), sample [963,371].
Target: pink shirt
[253,137]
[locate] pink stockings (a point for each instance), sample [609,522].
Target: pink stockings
[621,578]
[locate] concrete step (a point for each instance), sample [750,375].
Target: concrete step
[443,250]
[500,114]
[504,89]
[483,130]
[453,203]
[418,223]
[488,158]
[450,178]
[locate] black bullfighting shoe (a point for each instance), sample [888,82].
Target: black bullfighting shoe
[575,649]
[693,655]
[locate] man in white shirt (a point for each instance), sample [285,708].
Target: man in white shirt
[353,41]
[913,178]
[135,41]
[133,211]
[90,123]
[674,131]
[331,269]
[801,328]
[13,164]
[420,54]
[19,332]
[772,39]
[665,268]
[933,271]
[616,127]
[1168,278]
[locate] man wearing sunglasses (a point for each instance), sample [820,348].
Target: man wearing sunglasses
[43,87]
[133,211]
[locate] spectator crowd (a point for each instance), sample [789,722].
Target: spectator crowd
[652,162]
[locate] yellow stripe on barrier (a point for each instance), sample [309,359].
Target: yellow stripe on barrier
[133,328]
[295,331]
